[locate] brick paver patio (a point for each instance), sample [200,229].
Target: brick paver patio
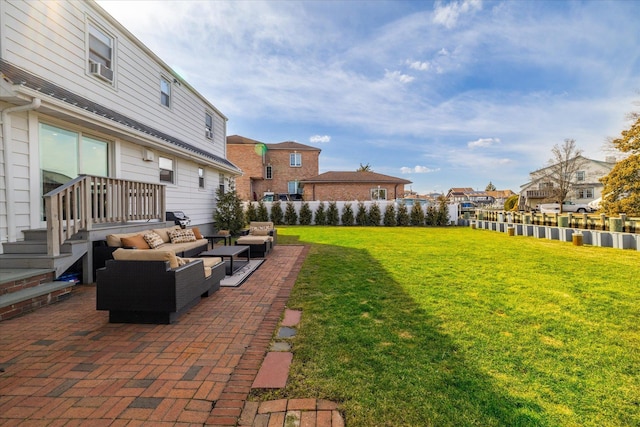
[66,365]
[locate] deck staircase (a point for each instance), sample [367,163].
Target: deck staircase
[78,213]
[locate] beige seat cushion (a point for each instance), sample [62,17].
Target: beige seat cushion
[208,262]
[164,232]
[253,240]
[146,255]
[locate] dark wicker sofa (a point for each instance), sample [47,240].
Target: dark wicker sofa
[154,291]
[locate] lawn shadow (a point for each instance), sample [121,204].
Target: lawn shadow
[365,342]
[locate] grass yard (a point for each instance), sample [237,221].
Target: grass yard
[461,327]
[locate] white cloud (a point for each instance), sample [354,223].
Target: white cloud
[483,142]
[319,139]
[398,76]
[419,65]
[418,169]
[447,15]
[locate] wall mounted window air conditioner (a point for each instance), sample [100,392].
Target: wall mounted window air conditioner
[99,70]
[208,133]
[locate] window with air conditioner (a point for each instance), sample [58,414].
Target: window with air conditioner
[165,92]
[208,125]
[100,46]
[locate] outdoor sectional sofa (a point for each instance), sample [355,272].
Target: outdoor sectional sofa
[261,237]
[154,286]
[103,250]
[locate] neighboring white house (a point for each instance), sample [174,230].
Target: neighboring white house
[80,94]
[585,185]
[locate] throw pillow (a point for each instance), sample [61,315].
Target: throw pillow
[182,236]
[153,240]
[136,241]
[196,232]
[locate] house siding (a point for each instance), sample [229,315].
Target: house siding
[48,40]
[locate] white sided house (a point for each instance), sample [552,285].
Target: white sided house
[97,133]
[585,184]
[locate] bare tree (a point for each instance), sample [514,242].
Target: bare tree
[364,168]
[562,171]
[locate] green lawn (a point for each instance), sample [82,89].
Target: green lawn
[455,327]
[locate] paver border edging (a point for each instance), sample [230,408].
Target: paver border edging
[229,406]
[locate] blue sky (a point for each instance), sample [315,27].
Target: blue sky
[444,94]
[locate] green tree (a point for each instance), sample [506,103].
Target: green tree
[347,215]
[321,215]
[290,215]
[306,216]
[389,218]
[229,214]
[417,214]
[251,214]
[490,187]
[402,218]
[276,213]
[442,217]
[263,213]
[361,215]
[333,216]
[374,216]
[621,193]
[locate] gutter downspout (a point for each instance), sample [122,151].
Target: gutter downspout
[8,163]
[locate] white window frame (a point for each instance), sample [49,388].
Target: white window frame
[165,97]
[581,176]
[172,171]
[98,38]
[377,191]
[293,185]
[201,182]
[585,193]
[295,160]
[208,125]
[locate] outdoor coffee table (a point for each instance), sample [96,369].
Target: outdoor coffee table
[212,239]
[232,265]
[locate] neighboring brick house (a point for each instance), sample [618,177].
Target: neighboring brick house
[277,168]
[334,186]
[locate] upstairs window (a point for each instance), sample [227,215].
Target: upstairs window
[200,178]
[166,170]
[268,172]
[295,160]
[100,54]
[580,176]
[165,92]
[208,125]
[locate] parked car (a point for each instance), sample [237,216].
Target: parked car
[178,218]
[272,197]
[595,204]
[567,206]
[468,207]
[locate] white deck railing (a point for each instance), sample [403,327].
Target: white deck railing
[88,200]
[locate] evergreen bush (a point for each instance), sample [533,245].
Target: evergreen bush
[263,213]
[361,215]
[276,213]
[290,215]
[251,214]
[417,215]
[306,216]
[228,214]
[389,218]
[347,215]
[374,216]
[321,215]
[402,218]
[333,216]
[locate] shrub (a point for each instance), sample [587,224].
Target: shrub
[250,213]
[321,215]
[443,211]
[374,215]
[347,215]
[417,215]
[306,215]
[228,214]
[389,218]
[263,214]
[276,213]
[402,218]
[290,215]
[361,216]
[333,217]
[431,218]
[511,204]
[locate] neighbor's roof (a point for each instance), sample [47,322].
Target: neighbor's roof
[354,177]
[287,145]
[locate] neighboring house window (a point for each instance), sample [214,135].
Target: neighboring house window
[378,193]
[100,53]
[268,173]
[545,185]
[208,125]
[221,183]
[200,177]
[295,160]
[166,170]
[585,193]
[293,187]
[165,92]
[580,176]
